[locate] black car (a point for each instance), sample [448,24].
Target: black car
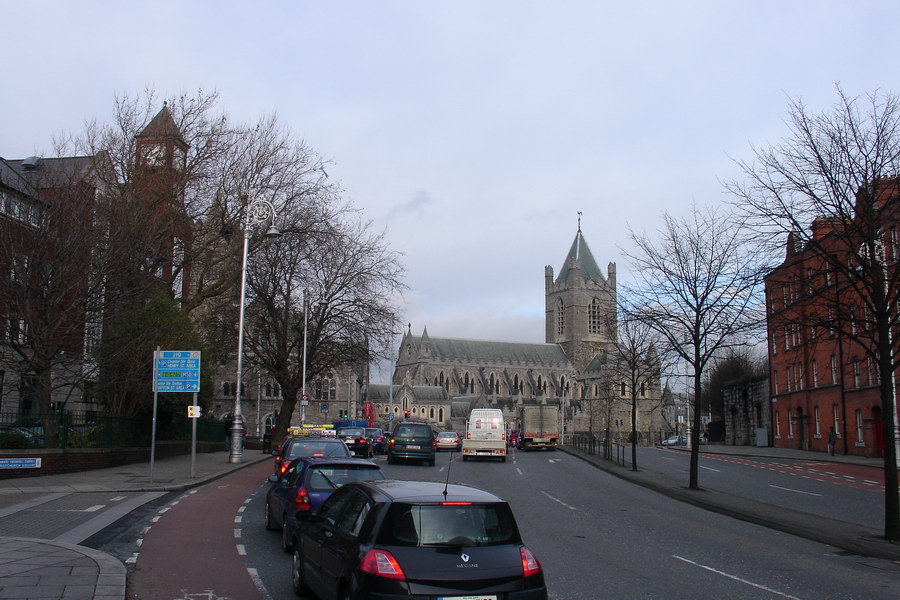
[411,440]
[307,483]
[377,439]
[413,539]
[356,440]
[298,447]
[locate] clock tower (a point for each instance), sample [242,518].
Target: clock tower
[160,163]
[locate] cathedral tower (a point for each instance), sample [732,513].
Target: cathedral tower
[580,304]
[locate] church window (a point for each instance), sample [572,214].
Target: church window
[441,378]
[594,318]
[516,384]
[326,388]
[435,382]
[623,388]
[268,389]
[431,413]
[643,390]
[466,383]
[540,384]
[560,318]
[493,390]
[441,415]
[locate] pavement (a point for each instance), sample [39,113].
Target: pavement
[33,569]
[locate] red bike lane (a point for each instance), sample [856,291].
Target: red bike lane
[190,553]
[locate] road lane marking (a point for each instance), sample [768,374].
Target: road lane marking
[117,498]
[238,519]
[94,508]
[258,582]
[710,469]
[792,490]
[558,500]
[519,471]
[241,550]
[237,533]
[736,578]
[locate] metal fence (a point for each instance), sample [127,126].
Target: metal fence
[89,429]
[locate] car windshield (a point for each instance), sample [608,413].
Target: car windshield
[447,435]
[330,477]
[412,431]
[374,432]
[449,524]
[352,431]
[317,447]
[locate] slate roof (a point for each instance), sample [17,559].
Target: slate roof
[12,178]
[483,352]
[579,252]
[162,125]
[53,172]
[379,392]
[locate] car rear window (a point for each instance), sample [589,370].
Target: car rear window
[413,431]
[354,431]
[327,477]
[316,448]
[449,525]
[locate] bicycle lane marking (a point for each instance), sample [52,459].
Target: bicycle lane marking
[191,551]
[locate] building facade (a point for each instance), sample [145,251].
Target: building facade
[822,371]
[573,365]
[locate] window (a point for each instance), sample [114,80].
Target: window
[818,424]
[441,415]
[17,330]
[643,391]
[856,373]
[799,374]
[853,320]
[594,318]
[789,378]
[790,415]
[815,366]
[835,418]
[18,270]
[895,244]
[560,318]
[870,370]
[775,379]
[833,369]
[778,424]
[623,388]
[859,427]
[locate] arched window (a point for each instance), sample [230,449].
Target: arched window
[441,378]
[623,388]
[268,389]
[441,415]
[325,387]
[466,383]
[560,317]
[516,384]
[540,384]
[492,384]
[595,320]
[431,413]
[225,388]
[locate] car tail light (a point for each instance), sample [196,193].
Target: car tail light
[283,466]
[362,441]
[456,504]
[301,499]
[393,442]
[530,564]
[502,436]
[468,436]
[380,438]
[382,564]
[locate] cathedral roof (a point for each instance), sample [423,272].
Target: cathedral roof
[581,255]
[480,351]
[380,392]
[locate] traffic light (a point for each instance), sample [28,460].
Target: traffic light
[405,413]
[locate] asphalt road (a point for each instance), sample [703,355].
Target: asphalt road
[599,536]
[845,492]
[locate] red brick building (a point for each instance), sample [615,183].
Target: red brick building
[823,373]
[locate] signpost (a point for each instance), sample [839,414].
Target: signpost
[176,371]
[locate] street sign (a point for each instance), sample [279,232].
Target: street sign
[20,463]
[193,411]
[324,407]
[390,416]
[176,371]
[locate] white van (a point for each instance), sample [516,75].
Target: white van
[485,435]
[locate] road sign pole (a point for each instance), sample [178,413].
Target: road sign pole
[194,440]
[153,426]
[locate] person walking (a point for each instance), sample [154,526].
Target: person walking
[832,440]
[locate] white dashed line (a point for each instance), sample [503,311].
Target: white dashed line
[558,500]
[736,578]
[241,550]
[237,533]
[778,487]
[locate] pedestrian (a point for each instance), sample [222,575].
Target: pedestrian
[832,440]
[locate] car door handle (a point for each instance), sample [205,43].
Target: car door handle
[328,534]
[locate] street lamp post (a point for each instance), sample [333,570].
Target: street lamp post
[258,211]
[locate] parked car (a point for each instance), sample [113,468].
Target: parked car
[417,539]
[297,447]
[448,440]
[411,440]
[675,440]
[356,440]
[377,439]
[306,483]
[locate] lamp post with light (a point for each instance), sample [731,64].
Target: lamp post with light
[258,211]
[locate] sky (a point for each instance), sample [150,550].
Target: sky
[471,132]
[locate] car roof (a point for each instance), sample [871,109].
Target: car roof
[316,439]
[395,490]
[334,460]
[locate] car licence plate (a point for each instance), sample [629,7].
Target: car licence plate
[467,598]
[413,447]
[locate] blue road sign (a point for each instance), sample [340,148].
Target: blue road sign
[176,371]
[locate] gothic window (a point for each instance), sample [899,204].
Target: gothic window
[643,389]
[540,384]
[594,317]
[441,415]
[516,384]
[623,388]
[326,387]
[560,318]
[492,384]
[431,413]
[268,389]
[441,378]
[466,382]
[225,389]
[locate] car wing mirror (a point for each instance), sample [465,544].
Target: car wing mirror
[272,479]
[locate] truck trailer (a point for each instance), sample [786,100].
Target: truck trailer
[539,425]
[485,435]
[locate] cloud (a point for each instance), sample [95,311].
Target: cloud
[415,207]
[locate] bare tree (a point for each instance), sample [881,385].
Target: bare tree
[343,281]
[840,168]
[697,288]
[637,363]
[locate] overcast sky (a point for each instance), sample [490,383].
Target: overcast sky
[471,131]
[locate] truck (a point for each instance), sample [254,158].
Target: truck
[538,425]
[485,435]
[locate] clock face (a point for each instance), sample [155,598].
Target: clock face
[178,158]
[154,154]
